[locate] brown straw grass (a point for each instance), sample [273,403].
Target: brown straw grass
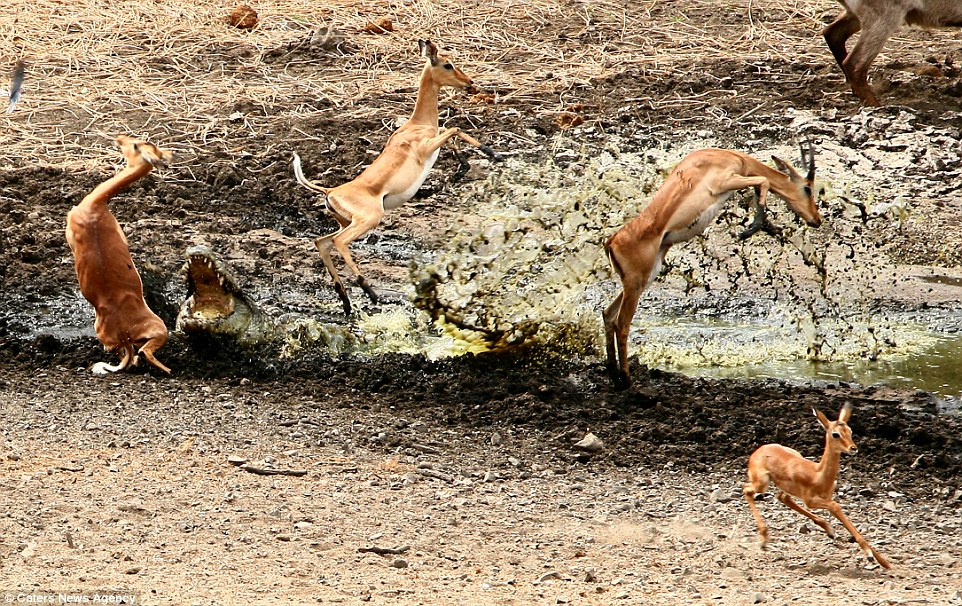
[175,71]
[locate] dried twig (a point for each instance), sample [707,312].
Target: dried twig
[270,471]
[385,550]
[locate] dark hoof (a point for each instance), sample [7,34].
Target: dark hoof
[489,152]
[371,293]
[621,381]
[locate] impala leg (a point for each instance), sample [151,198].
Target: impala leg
[102,368]
[153,344]
[622,326]
[870,43]
[485,149]
[790,502]
[324,246]
[343,239]
[760,221]
[609,316]
[756,485]
[750,493]
[836,510]
[838,33]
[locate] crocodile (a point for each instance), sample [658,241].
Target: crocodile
[217,312]
[216,305]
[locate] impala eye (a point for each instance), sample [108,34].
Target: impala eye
[448,66]
[836,435]
[808,191]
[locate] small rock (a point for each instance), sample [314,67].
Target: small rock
[720,495]
[759,598]
[243,17]
[590,443]
[554,574]
[399,563]
[236,460]
[590,576]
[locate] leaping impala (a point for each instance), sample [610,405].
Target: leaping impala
[812,483]
[107,274]
[395,175]
[684,206]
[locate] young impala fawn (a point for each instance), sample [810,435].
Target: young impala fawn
[812,483]
[684,206]
[395,176]
[107,274]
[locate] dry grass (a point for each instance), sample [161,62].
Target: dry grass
[174,70]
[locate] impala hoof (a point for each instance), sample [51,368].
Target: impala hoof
[621,380]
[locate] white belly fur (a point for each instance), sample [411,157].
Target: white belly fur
[392,201]
[699,225]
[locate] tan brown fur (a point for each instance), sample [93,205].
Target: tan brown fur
[394,176]
[811,483]
[682,209]
[105,270]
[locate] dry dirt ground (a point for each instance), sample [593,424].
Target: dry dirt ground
[463,469]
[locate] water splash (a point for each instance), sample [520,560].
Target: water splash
[533,270]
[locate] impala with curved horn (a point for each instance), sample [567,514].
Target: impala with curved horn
[685,205]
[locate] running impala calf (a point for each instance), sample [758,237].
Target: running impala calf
[105,270]
[812,483]
[878,20]
[684,206]
[395,176]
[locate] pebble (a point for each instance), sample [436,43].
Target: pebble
[720,495]
[590,443]
[399,563]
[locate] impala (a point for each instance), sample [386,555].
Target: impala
[812,483]
[395,176]
[107,274]
[684,206]
[878,20]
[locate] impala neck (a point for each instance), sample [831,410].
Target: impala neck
[426,107]
[118,183]
[827,469]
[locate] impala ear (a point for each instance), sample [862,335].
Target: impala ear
[846,413]
[428,50]
[783,166]
[822,418]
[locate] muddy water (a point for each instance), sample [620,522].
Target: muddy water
[923,360]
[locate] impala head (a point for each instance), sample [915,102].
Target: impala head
[802,201]
[141,151]
[838,432]
[443,72]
